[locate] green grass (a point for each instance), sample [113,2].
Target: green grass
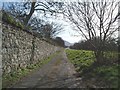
[80,58]
[109,74]
[83,60]
[13,77]
[111,55]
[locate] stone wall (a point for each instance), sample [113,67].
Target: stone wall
[20,48]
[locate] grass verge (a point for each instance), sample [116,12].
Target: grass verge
[12,78]
[80,58]
[102,76]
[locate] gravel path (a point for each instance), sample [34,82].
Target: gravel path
[58,73]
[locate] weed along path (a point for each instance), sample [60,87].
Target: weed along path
[58,73]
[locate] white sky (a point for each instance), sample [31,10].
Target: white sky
[69,34]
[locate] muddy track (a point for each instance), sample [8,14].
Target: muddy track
[58,73]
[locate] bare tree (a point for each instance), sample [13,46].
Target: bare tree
[57,29]
[45,28]
[94,19]
[18,9]
[25,10]
[51,30]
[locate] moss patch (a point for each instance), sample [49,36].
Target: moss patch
[11,20]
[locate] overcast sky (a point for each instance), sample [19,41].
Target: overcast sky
[68,34]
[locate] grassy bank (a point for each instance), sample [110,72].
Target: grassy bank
[102,76]
[12,78]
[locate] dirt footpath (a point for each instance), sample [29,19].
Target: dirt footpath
[58,73]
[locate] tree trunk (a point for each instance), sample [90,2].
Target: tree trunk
[99,57]
[30,14]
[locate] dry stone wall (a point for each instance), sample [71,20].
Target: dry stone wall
[20,49]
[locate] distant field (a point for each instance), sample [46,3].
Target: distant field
[80,58]
[83,60]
